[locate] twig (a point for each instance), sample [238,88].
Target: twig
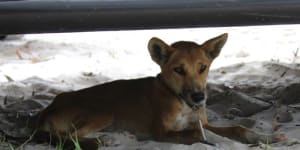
[282,75]
[202,130]
[27,141]
[295,55]
[9,79]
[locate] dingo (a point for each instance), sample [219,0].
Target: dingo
[164,108]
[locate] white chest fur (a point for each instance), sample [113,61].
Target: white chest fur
[184,119]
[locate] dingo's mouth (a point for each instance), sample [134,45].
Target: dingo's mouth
[192,105]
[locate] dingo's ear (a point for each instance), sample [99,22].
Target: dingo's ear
[214,45]
[159,51]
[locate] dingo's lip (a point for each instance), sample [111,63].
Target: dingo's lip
[197,106]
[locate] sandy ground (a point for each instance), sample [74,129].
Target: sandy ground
[256,77]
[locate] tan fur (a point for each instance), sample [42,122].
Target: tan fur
[154,107]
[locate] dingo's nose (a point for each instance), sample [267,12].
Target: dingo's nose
[197,97]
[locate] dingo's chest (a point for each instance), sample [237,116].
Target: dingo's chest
[184,119]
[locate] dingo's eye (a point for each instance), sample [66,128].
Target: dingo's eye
[202,68]
[180,70]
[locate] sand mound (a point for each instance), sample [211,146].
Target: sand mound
[251,95]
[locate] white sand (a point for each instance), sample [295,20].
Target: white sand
[124,54]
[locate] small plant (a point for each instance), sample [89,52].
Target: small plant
[75,139]
[60,145]
[99,141]
[267,147]
[11,147]
[4,142]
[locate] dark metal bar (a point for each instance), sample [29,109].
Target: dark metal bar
[71,16]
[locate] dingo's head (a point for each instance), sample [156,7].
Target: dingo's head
[185,65]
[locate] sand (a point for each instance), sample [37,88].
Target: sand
[256,78]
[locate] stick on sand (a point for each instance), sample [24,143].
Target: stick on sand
[202,130]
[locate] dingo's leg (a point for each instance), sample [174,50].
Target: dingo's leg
[188,136]
[93,123]
[245,135]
